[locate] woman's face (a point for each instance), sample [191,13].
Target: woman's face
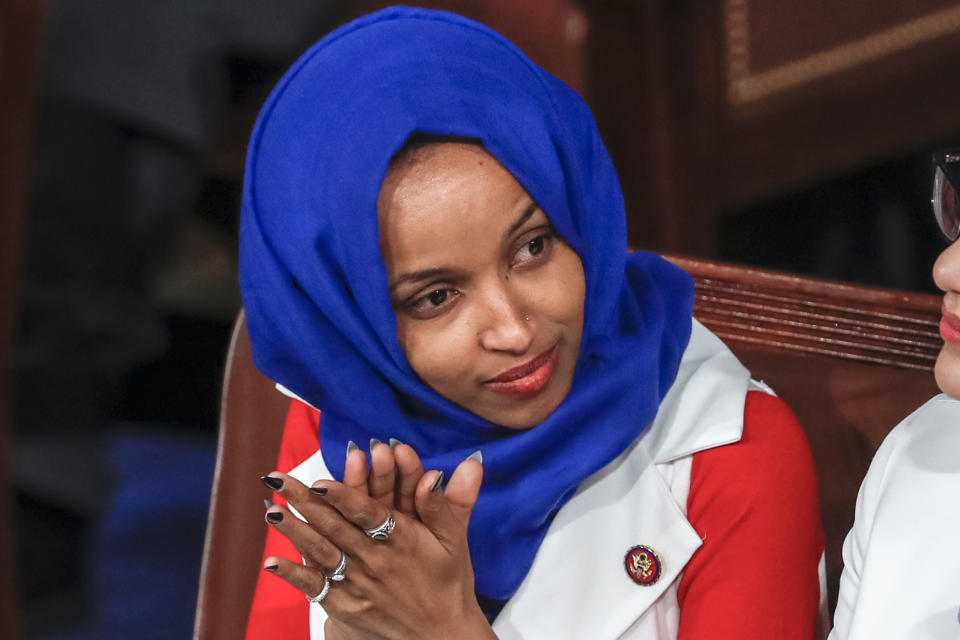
[488,298]
[946,273]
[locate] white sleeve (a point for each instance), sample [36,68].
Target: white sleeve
[857,543]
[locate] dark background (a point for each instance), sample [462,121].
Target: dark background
[791,136]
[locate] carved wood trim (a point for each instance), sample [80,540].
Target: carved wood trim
[744,87]
[759,308]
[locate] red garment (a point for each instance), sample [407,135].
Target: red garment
[279,610]
[755,576]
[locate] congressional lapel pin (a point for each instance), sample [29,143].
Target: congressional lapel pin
[643,565]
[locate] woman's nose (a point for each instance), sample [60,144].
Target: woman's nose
[506,327]
[946,270]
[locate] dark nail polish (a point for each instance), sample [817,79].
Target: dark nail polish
[393,443]
[351,447]
[272,483]
[275,517]
[320,491]
[272,568]
[267,503]
[374,442]
[437,482]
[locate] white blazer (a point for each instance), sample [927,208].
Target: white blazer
[640,498]
[901,574]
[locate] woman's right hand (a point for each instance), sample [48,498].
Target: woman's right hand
[412,594]
[394,473]
[392,480]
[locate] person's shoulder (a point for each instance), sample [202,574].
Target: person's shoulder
[770,465]
[769,424]
[938,419]
[905,497]
[923,446]
[772,441]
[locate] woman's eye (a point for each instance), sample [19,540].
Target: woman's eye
[433,303]
[535,249]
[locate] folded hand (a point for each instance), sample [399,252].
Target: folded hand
[418,583]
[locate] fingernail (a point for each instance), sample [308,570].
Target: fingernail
[272,568]
[272,483]
[437,482]
[374,442]
[275,517]
[267,503]
[351,447]
[476,455]
[394,442]
[320,491]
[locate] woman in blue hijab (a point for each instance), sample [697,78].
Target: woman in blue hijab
[433,254]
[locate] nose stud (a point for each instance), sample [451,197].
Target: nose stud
[526,318]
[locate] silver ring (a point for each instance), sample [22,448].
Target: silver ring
[323,592]
[338,574]
[382,532]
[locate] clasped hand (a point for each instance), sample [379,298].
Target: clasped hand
[418,583]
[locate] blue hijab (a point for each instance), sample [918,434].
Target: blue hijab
[315,286]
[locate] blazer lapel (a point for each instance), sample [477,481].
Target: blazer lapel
[572,594]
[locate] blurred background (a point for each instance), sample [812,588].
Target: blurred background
[791,136]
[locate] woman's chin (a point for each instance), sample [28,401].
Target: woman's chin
[524,412]
[523,417]
[947,370]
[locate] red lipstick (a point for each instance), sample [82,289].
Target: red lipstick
[527,379]
[949,326]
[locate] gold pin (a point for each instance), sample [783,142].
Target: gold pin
[643,565]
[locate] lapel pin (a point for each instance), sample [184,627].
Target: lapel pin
[643,565]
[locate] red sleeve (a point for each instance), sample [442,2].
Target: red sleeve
[279,610]
[754,504]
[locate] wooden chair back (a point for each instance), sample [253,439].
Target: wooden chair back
[252,415]
[851,361]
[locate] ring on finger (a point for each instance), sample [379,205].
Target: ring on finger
[381,533]
[323,592]
[338,574]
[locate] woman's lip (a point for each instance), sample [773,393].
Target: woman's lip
[949,326]
[527,379]
[525,369]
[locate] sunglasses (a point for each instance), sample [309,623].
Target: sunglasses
[946,201]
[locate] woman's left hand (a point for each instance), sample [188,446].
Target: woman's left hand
[418,583]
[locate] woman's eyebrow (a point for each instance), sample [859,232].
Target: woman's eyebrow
[423,274]
[435,272]
[522,219]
